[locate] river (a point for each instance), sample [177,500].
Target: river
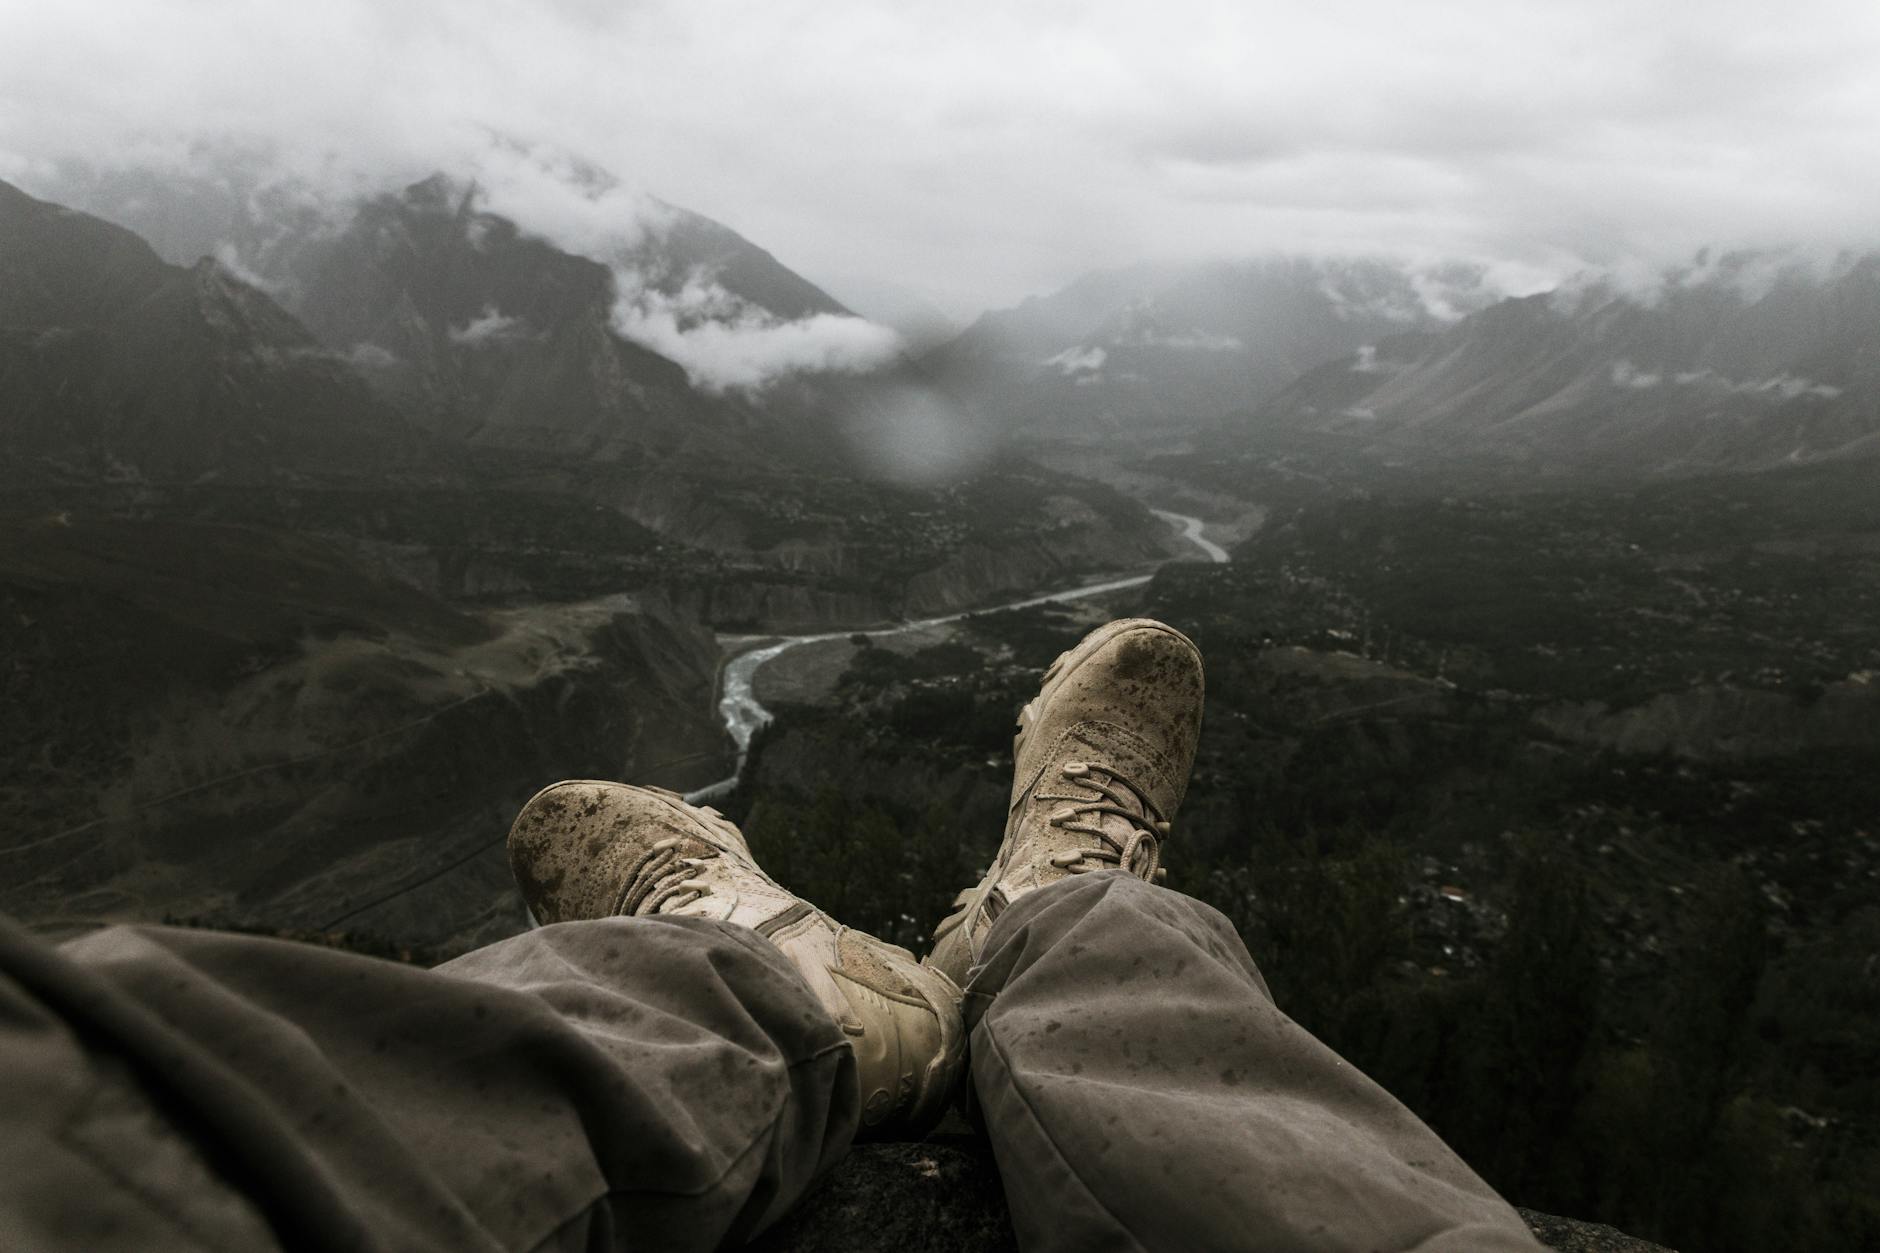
[743,714]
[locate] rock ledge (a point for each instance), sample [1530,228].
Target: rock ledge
[944,1196]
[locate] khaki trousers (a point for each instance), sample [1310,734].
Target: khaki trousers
[671,1083]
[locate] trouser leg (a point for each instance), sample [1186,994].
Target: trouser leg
[664,1083]
[1142,1092]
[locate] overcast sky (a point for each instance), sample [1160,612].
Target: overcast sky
[979,152]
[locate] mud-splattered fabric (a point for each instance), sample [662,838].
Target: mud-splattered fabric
[672,1083]
[1142,1092]
[657,1083]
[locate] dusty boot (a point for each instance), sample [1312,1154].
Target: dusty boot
[1101,764]
[588,849]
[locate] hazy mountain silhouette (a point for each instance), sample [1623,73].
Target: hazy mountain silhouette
[916,318]
[1117,348]
[1744,362]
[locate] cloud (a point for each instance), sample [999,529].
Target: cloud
[1078,360]
[727,343]
[1186,341]
[491,327]
[978,151]
[1789,386]
[1784,386]
[229,258]
[579,207]
[723,341]
[1352,305]
[1367,362]
[369,357]
[1625,374]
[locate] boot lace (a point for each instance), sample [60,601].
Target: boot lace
[662,878]
[1138,850]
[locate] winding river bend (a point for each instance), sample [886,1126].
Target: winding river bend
[743,713]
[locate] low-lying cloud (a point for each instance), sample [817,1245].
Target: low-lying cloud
[1782,386]
[579,207]
[491,328]
[1078,360]
[1185,341]
[723,341]
[1367,362]
[727,343]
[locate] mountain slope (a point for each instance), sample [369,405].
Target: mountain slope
[115,364]
[1119,348]
[1746,363]
[668,338]
[546,311]
[492,336]
[921,323]
[686,244]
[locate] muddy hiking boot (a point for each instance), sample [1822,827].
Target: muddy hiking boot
[589,849]
[1101,763]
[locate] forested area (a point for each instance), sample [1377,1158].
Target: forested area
[1638,988]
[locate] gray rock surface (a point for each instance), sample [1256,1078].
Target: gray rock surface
[944,1196]
[1572,1236]
[940,1196]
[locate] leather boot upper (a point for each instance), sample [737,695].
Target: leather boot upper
[1101,764]
[590,849]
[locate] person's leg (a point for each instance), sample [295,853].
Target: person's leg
[662,1082]
[1140,1088]
[669,1066]
[1142,1091]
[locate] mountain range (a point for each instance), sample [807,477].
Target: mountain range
[484,330]
[489,337]
[662,336]
[1147,345]
[1741,362]
[1734,362]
